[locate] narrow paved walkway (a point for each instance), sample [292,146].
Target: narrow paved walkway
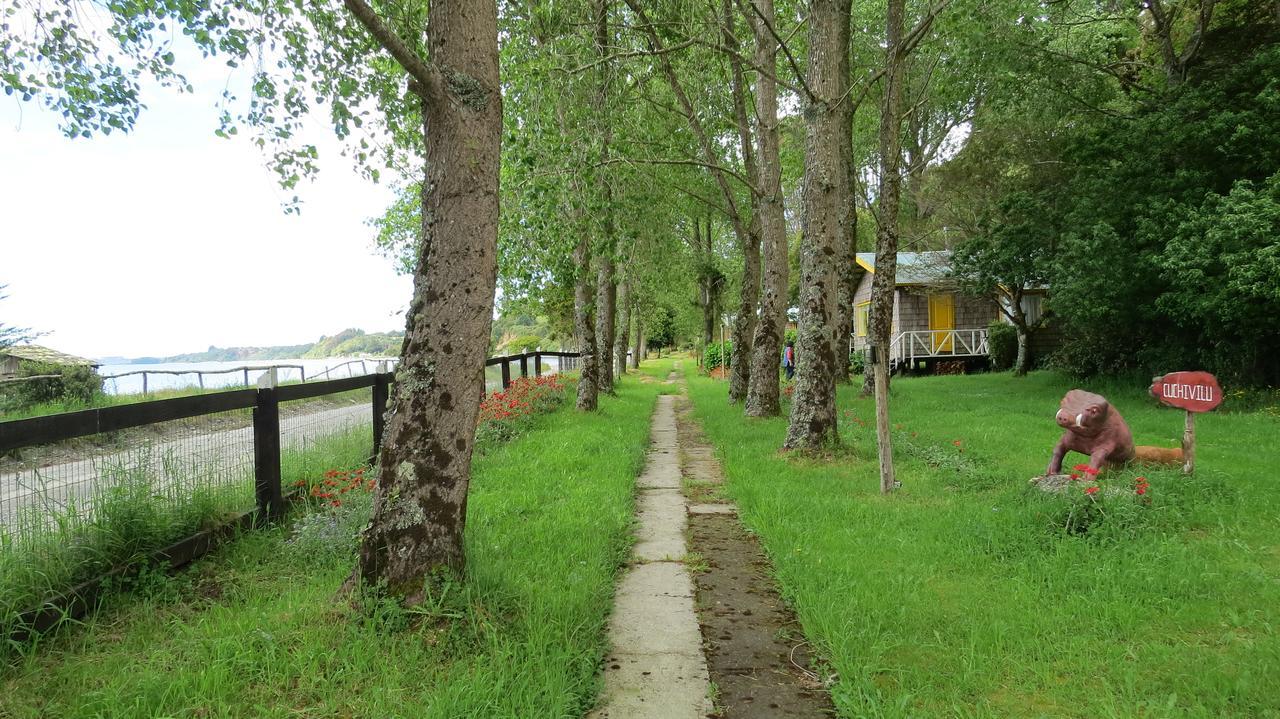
[707,637]
[656,668]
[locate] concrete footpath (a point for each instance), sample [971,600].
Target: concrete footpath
[656,667]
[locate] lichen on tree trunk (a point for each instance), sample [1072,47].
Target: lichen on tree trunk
[424,468]
[624,325]
[584,327]
[884,284]
[826,196]
[606,305]
[766,352]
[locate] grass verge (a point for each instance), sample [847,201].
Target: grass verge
[969,594]
[53,545]
[254,630]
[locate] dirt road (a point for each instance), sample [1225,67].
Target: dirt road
[32,498]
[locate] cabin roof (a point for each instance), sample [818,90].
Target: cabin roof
[36,353]
[914,268]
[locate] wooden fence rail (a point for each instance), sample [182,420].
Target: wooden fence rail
[269,495]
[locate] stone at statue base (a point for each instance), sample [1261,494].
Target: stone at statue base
[1054,483]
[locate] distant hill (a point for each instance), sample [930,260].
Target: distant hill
[347,343]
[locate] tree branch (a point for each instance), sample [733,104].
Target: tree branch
[921,29]
[691,163]
[786,50]
[633,53]
[425,75]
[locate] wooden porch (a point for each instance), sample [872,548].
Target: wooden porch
[929,346]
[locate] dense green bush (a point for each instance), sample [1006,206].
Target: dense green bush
[74,383]
[1002,345]
[857,362]
[717,354]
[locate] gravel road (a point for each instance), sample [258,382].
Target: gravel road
[32,498]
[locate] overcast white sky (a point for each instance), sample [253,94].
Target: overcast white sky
[169,239]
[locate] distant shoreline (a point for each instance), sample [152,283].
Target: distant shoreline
[347,344]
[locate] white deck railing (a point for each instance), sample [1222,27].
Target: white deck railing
[928,344]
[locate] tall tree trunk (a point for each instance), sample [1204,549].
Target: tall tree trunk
[606,307]
[606,290]
[826,200]
[849,249]
[584,327]
[1023,361]
[885,281]
[420,505]
[744,325]
[1019,316]
[637,351]
[624,324]
[762,392]
[708,283]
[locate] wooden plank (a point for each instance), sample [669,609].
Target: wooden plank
[290,392]
[69,425]
[381,393]
[266,454]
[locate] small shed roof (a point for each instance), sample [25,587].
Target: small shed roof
[36,353]
[914,268]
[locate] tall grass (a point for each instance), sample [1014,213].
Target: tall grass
[256,630]
[140,504]
[969,594]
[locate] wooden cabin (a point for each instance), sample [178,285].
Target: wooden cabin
[12,357]
[932,321]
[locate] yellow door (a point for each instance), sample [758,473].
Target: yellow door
[942,317]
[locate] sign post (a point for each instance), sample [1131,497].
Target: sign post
[1193,392]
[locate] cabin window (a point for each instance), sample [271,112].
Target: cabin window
[862,318]
[1032,308]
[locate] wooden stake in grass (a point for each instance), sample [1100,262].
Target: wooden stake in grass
[1189,444]
[884,441]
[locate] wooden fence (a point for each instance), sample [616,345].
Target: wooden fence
[269,495]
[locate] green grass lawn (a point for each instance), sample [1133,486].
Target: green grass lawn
[963,594]
[255,630]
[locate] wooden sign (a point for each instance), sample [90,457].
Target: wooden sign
[1194,392]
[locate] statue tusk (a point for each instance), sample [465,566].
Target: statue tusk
[1078,422]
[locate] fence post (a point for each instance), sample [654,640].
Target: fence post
[506,373]
[144,382]
[537,364]
[381,390]
[266,450]
[524,365]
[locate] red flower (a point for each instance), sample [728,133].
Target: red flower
[1074,476]
[300,483]
[1091,490]
[956,442]
[336,503]
[1080,467]
[1140,490]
